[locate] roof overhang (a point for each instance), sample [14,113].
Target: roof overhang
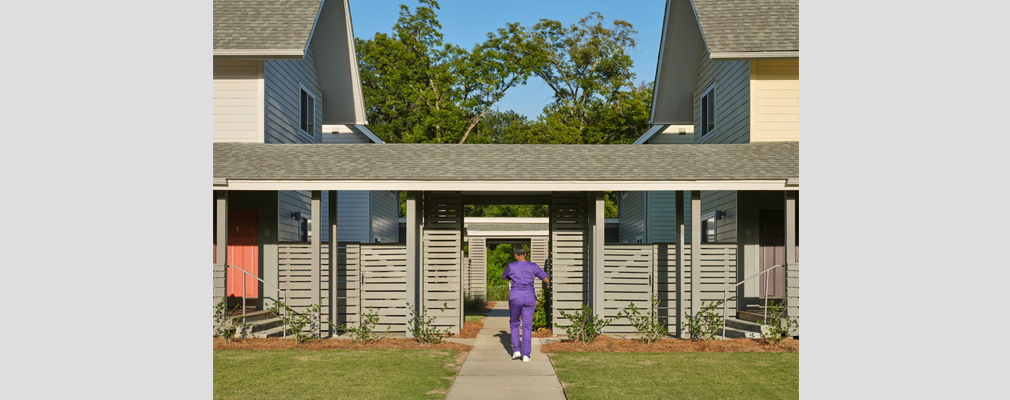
[265,54]
[755,55]
[544,186]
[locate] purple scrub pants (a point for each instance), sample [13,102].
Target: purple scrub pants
[523,306]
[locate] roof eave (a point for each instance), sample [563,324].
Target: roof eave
[754,55]
[259,54]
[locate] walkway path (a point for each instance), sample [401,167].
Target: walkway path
[489,372]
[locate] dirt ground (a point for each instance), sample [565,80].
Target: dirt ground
[617,345]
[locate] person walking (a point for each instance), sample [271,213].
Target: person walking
[522,300]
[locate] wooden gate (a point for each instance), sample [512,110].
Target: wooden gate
[384,285]
[628,277]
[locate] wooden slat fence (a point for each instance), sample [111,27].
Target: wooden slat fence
[718,269]
[478,267]
[569,212]
[384,285]
[442,267]
[628,277]
[538,256]
[294,262]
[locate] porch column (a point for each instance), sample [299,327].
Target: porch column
[315,244]
[333,265]
[681,301]
[792,264]
[695,252]
[413,267]
[598,225]
[220,274]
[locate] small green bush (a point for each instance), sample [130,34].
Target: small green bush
[649,325]
[421,325]
[783,326]
[706,323]
[303,326]
[364,332]
[474,304]
[585,326]
[228,327]
[540,313]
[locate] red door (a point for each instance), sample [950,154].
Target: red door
[243,252]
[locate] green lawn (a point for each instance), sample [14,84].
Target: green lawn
[593,375]
[333,374]
[474,317]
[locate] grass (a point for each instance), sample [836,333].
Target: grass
[679,375]
[331,374]
[474,317]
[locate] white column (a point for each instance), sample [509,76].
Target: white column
[695,252]
[315,245]
[334,273]
[220,274]
[598,254]
[681,303]
[413,264]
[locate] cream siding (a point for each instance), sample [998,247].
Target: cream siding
[732,100]
[775,100]
[631,214]
[238,101]
[385,216]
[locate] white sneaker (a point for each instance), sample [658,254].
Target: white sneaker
[526,358]
[516,355]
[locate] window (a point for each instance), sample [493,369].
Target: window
[308,113]
[709,225]
[708,110]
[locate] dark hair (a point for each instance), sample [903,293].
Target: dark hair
[519,250]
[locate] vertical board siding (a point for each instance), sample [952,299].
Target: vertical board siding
[384,285]
[282,84]
[569,243]
[632,213]
[441,259]
[385,211]
[732,100]
[628,276]
[775,100]
[352,216]
[662,216]
[478,266]
[725,201]
[238,101]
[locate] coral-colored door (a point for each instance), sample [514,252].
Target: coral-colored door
[243,252]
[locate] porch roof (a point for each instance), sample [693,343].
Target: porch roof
[506,167]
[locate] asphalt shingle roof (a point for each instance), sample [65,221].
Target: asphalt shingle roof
[263,24]
[506,162]
[749,25]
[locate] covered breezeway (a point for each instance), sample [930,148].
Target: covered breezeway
[441,179]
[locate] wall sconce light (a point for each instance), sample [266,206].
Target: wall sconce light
[297,215]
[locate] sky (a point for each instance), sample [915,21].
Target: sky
[466,23]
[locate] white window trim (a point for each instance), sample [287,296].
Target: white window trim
[315,100]
[714,226]
[707,136]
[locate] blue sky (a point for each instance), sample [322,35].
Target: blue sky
[466,23]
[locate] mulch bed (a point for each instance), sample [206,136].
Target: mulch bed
[542,333]
[333,344]
[470,329]
[609,344]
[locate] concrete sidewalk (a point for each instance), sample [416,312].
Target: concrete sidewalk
[489,372]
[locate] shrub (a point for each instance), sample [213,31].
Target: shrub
[364,332]
[297,323]
[783,326]
[649,325]
[228,327]
[706,323]
[585,326]
[540,313]
[498,292]
[474,303]
[421,325]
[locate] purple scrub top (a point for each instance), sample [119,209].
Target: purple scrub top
[522,273]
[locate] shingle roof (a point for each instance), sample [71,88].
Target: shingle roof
[749,25]
[505,162]
[263,24]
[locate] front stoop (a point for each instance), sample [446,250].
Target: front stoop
[738,328]
[264,324]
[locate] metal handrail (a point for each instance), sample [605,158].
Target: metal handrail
[285,294]
[726,293]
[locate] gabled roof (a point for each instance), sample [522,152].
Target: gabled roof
[264,27]
[529,167]
[734,26]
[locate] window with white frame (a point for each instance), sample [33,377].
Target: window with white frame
[708,110]
[308,113]
[709,225]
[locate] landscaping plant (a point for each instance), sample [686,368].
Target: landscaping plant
[364,331]
[421,326]
[650,324]
[540,312]
[706,323]
[585,326]
[782,326]
[474,304]
[297,323]
[228,327]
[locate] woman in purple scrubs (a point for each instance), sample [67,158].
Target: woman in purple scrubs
[522,299]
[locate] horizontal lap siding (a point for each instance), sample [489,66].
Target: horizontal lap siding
[662,212]
[288,202]
[569,212]
[725,201]
[352,216]
[632,213]
[238,101]
[385,216]
[732,100]
[775,100]
[283,80]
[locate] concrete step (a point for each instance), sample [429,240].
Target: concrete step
[733,333]
[743,325]
[256,316]
[277,331]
